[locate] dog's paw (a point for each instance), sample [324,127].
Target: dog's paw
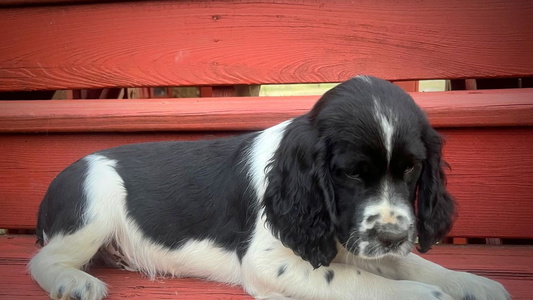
[78,285]
[420,291]
[466,286]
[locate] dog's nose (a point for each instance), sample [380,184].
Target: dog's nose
[392,237]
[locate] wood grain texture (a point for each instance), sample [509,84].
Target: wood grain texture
[15,3]
[160,43]
[512,266]
[487,108]
[490,177]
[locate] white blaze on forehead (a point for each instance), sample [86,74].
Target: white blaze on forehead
[364,78]
[385,119]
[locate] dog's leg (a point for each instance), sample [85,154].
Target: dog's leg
[459,285]
[271,271]
[57,266]
[337,281]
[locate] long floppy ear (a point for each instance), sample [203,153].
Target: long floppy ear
[436,207]
[299,200]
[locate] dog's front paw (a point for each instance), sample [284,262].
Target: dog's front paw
[466,286]
[420,291]
[78,285]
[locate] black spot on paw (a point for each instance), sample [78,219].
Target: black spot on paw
[329,275]
[60,292]
[114,245]
[469,297]
[437,294]
[358,272]
[282,270]
[123,264]
[77,295]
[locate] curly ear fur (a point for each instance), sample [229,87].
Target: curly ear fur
[436,207]
[299,200]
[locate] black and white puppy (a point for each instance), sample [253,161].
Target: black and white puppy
[301,210]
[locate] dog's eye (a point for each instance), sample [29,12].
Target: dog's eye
[354,176]
[409,169]
[358,173]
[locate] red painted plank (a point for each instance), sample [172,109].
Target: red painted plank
[192,114]
[10,3]
[164,43]
[512,266]
[445,109]
[490,177]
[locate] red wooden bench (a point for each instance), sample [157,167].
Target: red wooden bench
[54,45]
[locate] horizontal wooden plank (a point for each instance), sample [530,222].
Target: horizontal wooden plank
[13,3]
[512,266]
[445,109]
[161,43]
[490,177]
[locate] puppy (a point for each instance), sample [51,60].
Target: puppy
[321,206]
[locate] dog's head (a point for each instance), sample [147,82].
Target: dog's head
[350,172]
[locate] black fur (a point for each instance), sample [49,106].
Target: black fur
[329,276]
[176,191]
[298,201]
[179,191]
[61,210]
[282,270]
[437,294]
[436,207]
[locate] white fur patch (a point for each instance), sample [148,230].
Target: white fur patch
[261,152]
[387,209]
[106,195]
[385,119]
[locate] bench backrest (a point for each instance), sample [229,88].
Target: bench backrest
[197,43]
[163,43]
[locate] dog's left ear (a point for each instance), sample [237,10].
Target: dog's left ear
[299,199]
[436,207]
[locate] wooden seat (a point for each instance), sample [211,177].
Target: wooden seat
[510,265]
[69,45]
